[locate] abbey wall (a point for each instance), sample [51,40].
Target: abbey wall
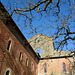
[52,62]
[16,55]
[44,43]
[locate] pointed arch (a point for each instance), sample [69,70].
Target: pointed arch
[39,50]
[45,68]
[8,72]
[64,67]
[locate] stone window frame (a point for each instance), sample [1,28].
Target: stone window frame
[8,70]
[24,58]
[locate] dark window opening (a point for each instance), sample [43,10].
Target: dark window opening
[9,45]
[27,62]
[38,41]
[7,73]
[20,57]
[32,65]
[64,69]
[45,69]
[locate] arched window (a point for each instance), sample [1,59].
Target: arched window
[7,73]
[32,66]
[20,56]
[27,62]
[64,67]
[40,51]
[45,68]
[9,45]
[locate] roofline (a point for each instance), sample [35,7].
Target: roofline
[56,57]
[16,29]
[39,35]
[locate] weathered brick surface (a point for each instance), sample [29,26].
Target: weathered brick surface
[10,60]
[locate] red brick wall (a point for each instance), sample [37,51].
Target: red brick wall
[10,60]
[55,66]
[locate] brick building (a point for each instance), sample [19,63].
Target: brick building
[17,57]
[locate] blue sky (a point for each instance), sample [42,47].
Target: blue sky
[45,24]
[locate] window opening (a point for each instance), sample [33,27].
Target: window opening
[32,66]
[20,57]
[27,62]
[9,43]
[45,69]
[7,73]
[64,69]
[40,51]
[38,41]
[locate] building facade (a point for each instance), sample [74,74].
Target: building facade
[16,55]
[55,66]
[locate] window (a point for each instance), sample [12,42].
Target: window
[7,73]
[9,45]
[27,62]
[45,68]
[38,41]
[32,66]
[20,56]
[64,69]
[40,51]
